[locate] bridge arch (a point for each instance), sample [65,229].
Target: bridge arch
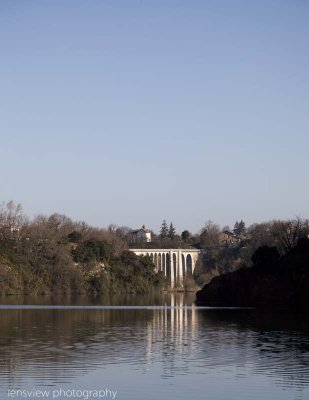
[159,261]
[183,265]
[168,266]
[189,269]
[163,264]
[155,260]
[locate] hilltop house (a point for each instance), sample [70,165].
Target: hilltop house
[141,235]
[227,238]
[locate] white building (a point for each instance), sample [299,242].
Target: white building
[140,235]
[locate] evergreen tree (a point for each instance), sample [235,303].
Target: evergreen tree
[164,230]
[236,228]
[239,228]
[171,231]
[185,235]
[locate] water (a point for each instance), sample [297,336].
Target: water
[172,352]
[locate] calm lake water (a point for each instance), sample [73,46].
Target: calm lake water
[171,352]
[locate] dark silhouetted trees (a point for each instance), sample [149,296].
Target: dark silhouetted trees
[164,230]
[171,231]
[239,228]
[265,255]
[185,235]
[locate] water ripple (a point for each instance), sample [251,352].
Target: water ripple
[156,352]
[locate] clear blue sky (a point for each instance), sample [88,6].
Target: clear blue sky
[129,112]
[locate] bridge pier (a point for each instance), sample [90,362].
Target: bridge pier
[180,274]
[172,269]
[174,263]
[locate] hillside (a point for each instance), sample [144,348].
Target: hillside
[268,284]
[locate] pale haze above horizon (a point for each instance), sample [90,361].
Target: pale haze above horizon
[131,112]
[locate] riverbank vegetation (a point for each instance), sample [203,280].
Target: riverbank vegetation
[53,254]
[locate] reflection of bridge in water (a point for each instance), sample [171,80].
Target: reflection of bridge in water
[175,326]
[175,263]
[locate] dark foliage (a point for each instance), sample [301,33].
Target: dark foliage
[75,237]
[92,250]
[265,255]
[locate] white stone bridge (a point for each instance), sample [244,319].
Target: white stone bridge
[175,263]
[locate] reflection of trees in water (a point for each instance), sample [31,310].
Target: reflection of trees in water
[61,343]
[150,299]
[65,342]
[272,344]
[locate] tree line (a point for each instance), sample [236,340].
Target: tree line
[56,254]
[53,254]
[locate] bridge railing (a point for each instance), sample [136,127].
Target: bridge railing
[153,245]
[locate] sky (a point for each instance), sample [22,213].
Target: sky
[130,112]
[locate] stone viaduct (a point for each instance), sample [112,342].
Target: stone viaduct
[175,263]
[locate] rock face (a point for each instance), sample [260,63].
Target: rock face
[280,284]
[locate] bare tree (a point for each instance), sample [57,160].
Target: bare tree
[11,214]
[11,220]
[209,235]
[289,232]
